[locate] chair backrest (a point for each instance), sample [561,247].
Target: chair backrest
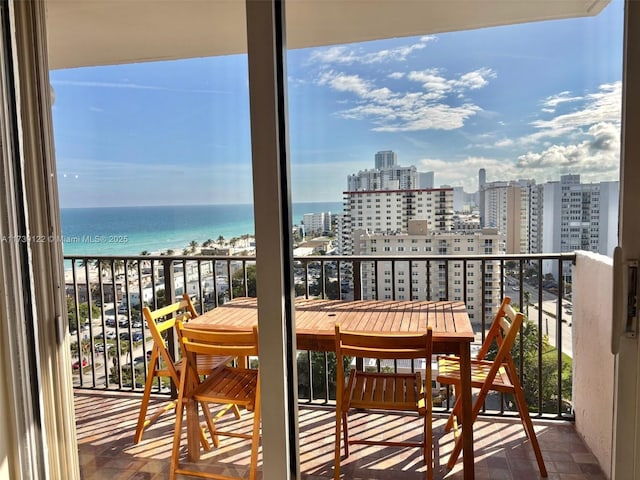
[161,320]
[216,342]
[503,332]
[384,346]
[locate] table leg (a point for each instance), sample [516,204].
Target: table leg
[467,425]
[193,430]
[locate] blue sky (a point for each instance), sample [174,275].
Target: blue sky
[522,101]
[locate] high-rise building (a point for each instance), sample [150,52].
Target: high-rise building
[380,211]
[433,279]
[390,178]
[386,159]
[425,180]
[316,223]
[506,207]
[579,216]
[482,179]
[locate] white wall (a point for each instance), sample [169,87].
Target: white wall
[593,363]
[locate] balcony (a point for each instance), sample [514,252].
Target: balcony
[106,423]
[574,425]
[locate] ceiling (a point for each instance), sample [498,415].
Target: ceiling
[106,32]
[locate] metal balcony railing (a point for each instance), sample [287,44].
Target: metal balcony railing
[109,346]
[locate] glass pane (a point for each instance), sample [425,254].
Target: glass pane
[154,177]
[450,148]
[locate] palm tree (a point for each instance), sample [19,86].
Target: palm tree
[193,245]
[118,266]
[220,240]
[103,265]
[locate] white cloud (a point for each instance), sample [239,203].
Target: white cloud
[433,80]
[347,56]
[599,153]
[602,106]
[128,85]
[346,83]
[396,111]
[464,172]
[505,142]
[550,103]
[476,79]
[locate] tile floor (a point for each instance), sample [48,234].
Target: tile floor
[106,423]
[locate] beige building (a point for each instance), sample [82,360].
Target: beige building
[475,282]
[506,207]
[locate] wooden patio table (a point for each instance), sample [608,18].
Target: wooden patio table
[315,330]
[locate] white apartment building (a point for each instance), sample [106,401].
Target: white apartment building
[390,178]
[475,282]
[391,210]
[316,223]
[579,216]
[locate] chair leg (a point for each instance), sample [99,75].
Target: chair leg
[455,412]
[255,438]
[337,453]
[428,445]
[144,405]
[210,425]
[468,423]
[521,403]
[177,434]
[345,431]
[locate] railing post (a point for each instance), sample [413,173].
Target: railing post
[357,295]
[357,280]
[169,298]
[169,282]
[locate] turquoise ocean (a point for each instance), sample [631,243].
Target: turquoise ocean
[132,230]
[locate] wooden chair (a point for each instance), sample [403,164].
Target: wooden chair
[225,385]
[499,375]
[383,391]
[163,364]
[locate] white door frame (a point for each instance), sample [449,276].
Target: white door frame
[37,396]
[626,444]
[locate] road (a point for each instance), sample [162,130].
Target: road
[99,357]
[548,319]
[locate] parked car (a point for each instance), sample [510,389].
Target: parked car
[99,348]
[136,324]
[137,337]
[124,335]
[111,322]
[76,364]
